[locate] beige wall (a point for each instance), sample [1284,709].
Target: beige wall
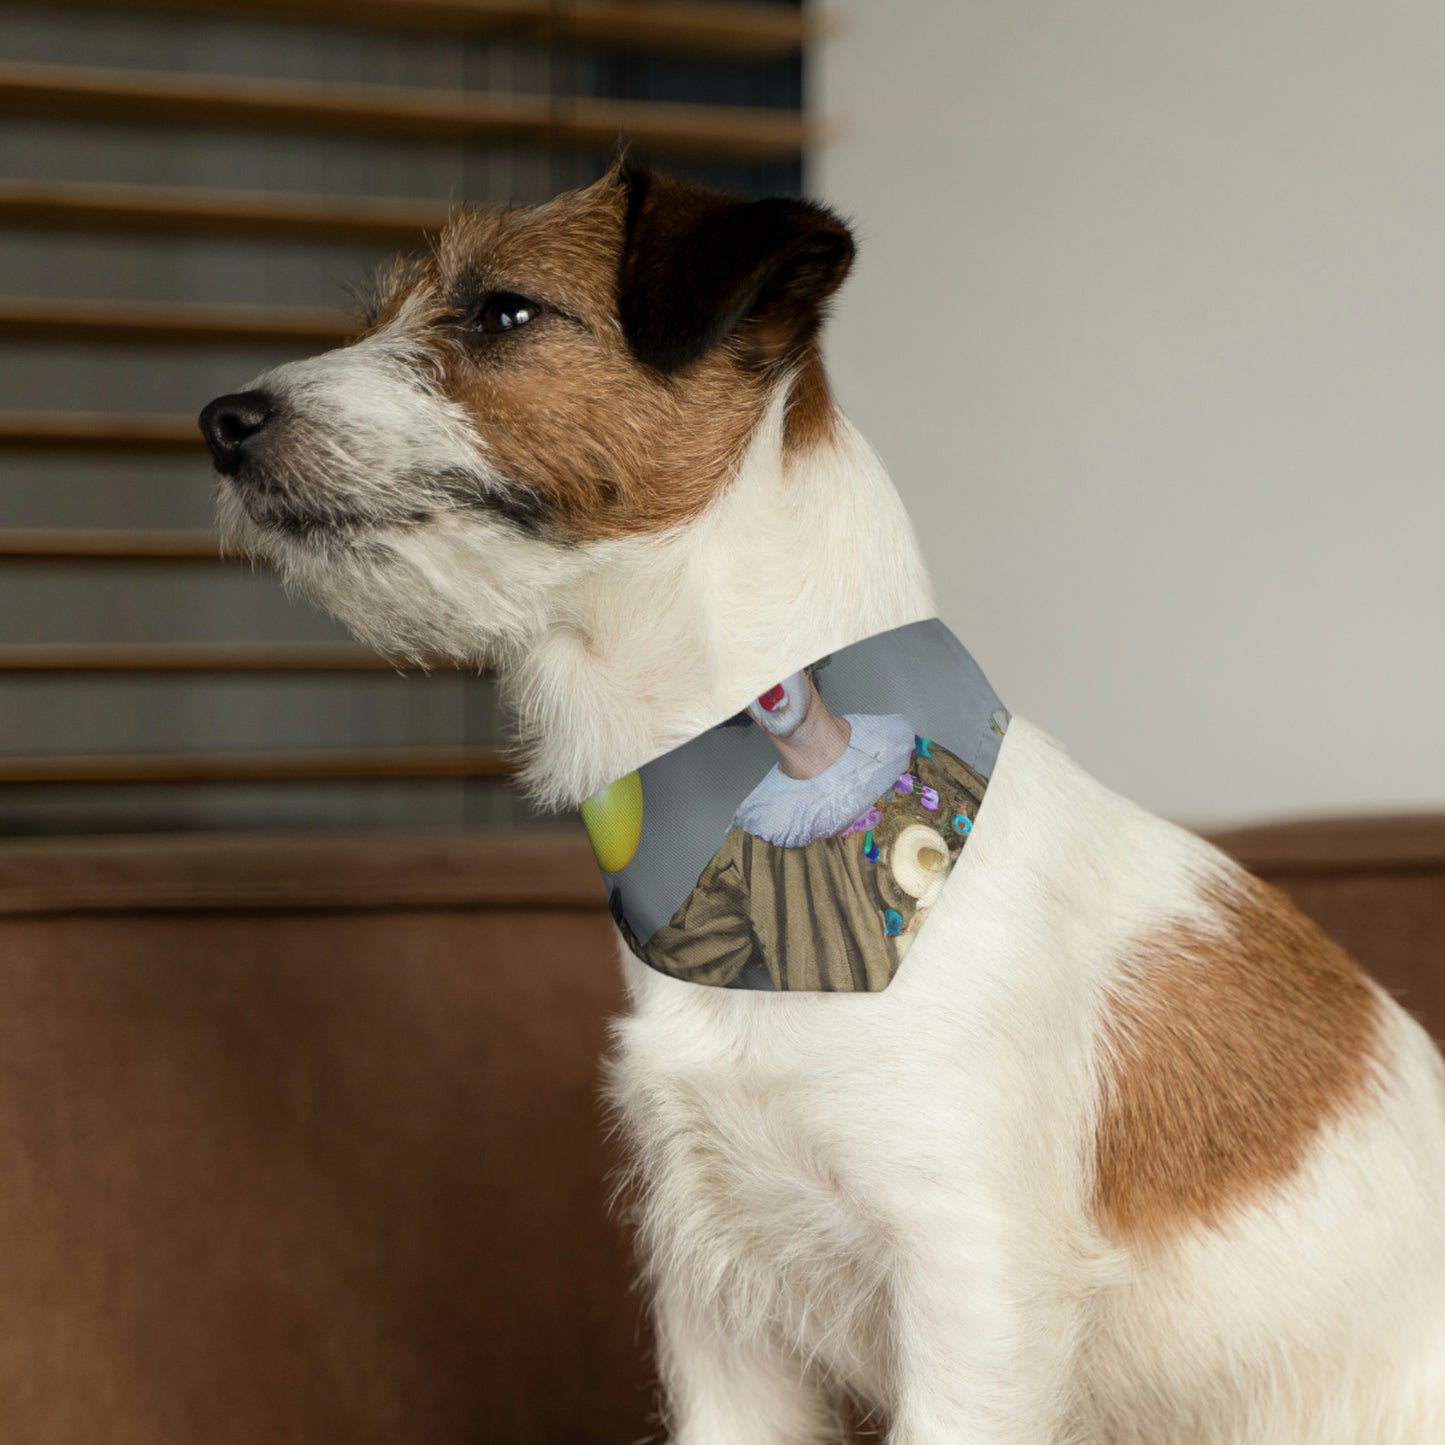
[1149,324]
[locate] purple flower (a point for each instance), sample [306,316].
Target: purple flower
[871,819]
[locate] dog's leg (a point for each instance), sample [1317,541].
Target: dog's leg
[724,1390]
[986,1346]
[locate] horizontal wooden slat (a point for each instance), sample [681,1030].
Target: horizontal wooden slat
[95,431]
[174,211]
[180,657]
[108,546]
[170,323]
[704,29]
[1365,843]
[264,767]
[216,101]
[550,868]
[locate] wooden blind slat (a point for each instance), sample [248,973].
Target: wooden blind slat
[109,546]
[182,657]
[160,98]
[95,431]
[170,323]
[190,101]
[176,211]
[705,29]
[338,765]
[745,31]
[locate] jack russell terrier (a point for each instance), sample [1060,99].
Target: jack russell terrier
[1121,1150]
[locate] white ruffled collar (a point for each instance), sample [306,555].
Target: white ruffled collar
[790,812]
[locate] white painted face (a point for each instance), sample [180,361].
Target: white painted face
[782,708]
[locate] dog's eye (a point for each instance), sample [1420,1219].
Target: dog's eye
[506,311]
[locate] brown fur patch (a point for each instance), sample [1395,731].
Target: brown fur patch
[700,266]
[1228,1053]
[596,443]
[812,413]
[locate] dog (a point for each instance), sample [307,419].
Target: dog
[1128,1153]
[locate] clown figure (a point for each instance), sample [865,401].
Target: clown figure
[832,861]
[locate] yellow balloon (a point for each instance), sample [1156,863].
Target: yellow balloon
[613,819]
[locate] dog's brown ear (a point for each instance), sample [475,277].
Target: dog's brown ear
[699,267]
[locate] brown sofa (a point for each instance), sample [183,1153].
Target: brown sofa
[299,1139]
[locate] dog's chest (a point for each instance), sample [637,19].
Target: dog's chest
[755,1181]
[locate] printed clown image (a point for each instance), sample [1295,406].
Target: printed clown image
[832,861]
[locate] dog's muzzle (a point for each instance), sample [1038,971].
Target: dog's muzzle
[231,424]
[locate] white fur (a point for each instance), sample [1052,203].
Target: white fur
[890,1194]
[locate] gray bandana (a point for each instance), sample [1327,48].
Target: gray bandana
[802,844]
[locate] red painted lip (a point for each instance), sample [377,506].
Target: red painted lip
[773,698]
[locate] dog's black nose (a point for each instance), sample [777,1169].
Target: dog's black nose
[229,422]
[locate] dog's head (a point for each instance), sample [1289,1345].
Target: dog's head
[547,383]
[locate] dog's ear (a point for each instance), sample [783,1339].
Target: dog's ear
[699,267]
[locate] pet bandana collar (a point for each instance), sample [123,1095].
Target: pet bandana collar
[740,860]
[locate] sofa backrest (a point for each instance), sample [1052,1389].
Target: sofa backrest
[301,1143]
[300,1138]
